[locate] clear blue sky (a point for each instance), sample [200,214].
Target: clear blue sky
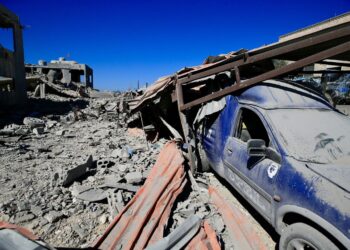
[130,40]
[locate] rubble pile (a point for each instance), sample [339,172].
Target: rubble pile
[66,176]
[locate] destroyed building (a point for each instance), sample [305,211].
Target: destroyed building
[67,78]
[66,72]
[12,73]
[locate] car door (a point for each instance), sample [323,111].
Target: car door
[253,179]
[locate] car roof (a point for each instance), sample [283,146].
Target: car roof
[272,94]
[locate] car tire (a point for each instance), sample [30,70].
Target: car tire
[203,160]
[302,236]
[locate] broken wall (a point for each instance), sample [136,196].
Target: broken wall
[12,74]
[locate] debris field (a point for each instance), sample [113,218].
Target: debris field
[68,177]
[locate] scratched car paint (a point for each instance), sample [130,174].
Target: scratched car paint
[312,140]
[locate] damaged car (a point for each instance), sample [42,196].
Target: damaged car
[338,92]
[286,150]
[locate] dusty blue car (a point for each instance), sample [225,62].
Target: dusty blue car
[287,152]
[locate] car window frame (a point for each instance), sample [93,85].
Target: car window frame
[270,134]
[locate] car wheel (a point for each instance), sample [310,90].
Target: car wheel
[204,163]
[329,99]
[302,236]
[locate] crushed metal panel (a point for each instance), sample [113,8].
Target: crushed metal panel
[205,239]
[180,236]
[152,91]
[192,234]
[209,109]
[142,220]
[172,130]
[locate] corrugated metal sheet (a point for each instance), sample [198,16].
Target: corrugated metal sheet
[180,237]
[205,239]
[143,219]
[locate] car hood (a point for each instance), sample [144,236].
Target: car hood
[337,172]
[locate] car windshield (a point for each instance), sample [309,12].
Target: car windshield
[315,135]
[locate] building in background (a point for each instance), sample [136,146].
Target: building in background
[322,27]
[65,72]
[12,72]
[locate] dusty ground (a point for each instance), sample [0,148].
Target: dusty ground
[34,166]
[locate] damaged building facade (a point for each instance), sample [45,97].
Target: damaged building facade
[12,73]
[66,72]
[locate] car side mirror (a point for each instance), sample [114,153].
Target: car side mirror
[256,149]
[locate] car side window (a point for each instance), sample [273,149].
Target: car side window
[250,126]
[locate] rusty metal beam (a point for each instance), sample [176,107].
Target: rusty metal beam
[340,63]
[280,49]
[238,77]
[272,74]
[184,124]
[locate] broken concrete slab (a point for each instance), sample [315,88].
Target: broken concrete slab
[9,129]
[122,186]
[104,163]
[51,123]
[33,122]
[23,130]
[134,177]
[92,195]
[77,189]
[23,217]
[111,179]
[116,153]
[61,132]
[53,216]
[80,231]
[73,174]
[38,130]
[103,219]
[37,211]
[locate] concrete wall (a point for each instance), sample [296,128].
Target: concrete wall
[329,23]
[12,64]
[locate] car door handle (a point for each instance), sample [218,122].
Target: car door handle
[229,150]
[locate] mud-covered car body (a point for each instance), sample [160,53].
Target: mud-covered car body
[303,173]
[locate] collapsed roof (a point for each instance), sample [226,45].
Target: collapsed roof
[256,65]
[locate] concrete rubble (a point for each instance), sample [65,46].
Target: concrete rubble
[66,176]
[59,171]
